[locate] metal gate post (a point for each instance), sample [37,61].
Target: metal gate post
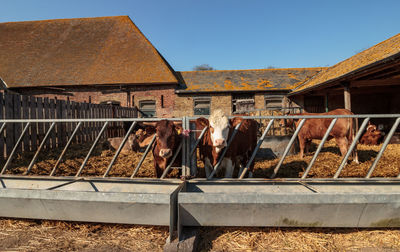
[185,148]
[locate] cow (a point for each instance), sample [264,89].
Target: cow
[143,138]
[168,139]
[315,128]
[220,129]
[113,143]
[372,135]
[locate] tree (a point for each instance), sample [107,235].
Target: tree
[203,67]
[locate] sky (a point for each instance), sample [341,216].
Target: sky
[234,34]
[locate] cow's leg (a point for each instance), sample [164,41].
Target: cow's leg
[343,145]
[207,167]
[301,145]
[228,167]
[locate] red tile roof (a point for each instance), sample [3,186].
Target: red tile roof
[245,80]
[81,51]
[367,57]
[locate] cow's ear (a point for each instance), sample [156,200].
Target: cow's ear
[178,129]
[202,121]
[235,121]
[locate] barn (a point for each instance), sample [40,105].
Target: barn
[237,91]
[366,83]
[99,60]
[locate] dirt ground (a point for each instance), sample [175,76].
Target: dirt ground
[30,235]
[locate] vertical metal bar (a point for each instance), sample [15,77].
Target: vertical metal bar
[319,148]
[144,156]
[172,161]
[353,144]
[71,138]
[198,141]
[40,147]
[119,149]
[260,141]
[15,147]
[224,152]
[186,148]
[278,166]
[91,149]
[385,144]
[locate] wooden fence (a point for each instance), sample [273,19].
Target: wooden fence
[13,106]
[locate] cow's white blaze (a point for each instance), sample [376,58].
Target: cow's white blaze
[220,129]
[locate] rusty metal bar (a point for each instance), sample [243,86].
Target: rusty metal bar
[353,144]
[383,148]
[15,147]
[91,149]
[40,148]
[119,149]
[260,141]
[144,156]
[319,148]
[278,166]
[172,161]
[65,148]
[225,150]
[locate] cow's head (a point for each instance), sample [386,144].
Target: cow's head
[373,130]
[219,129]
[287,122]
[167,134]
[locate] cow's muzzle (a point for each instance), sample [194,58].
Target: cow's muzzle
[165,153]
[220,143]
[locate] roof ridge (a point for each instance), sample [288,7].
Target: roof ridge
[64,19]
[261,69]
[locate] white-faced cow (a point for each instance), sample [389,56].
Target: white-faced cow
[316,128]
[215,139]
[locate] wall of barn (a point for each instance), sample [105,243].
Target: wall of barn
[183,105]
[164,95]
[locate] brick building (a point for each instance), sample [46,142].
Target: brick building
[237,91]
[101,60]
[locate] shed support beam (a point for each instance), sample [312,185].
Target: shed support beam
[347,96]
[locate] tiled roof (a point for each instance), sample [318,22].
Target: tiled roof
[367,57]
[244,80]
[81,51]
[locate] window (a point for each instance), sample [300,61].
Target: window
[202,106]
[243,103]
[147,108]
[273,102]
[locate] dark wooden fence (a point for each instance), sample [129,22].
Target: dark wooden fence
[13,106]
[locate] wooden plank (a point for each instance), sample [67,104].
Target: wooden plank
[33,130]
[40,126]
[68,116]
[347,98]
[25,115]
[2,139]
[63,126]
[58,125]
[17,115]
[78,116]
[46,112]
[9,108]
[52,113]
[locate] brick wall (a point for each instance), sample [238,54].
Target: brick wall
[164,95]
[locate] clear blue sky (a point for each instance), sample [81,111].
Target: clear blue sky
[237,34]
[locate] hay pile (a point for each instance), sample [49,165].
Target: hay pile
[326,165]
[29,235]
[295,239]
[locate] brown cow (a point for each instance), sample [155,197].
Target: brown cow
[216,137]
[316,129]
[372,135]
[113,143]
[167,142]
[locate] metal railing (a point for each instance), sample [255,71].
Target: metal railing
[303,118]
[189,144]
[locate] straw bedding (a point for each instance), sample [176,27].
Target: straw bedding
[27,235]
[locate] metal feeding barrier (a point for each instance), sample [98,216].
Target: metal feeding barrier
[274,201]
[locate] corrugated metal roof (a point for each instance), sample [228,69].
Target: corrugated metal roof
[81,51]
[367,57]
[244,80]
